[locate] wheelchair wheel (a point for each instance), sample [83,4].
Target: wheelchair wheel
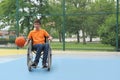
[29,62]
[29,57]
[30,68]
[49,59]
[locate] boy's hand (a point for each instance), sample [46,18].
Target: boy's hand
[50,38]
[26,43]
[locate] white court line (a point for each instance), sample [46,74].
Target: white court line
[10,58]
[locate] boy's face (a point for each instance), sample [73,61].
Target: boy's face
[37,26]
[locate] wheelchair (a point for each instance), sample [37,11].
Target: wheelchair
[31,53]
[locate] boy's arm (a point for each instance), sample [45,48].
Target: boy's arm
[26,43]
[48,36]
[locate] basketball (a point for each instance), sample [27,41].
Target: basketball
[20,41]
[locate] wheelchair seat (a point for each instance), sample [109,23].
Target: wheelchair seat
[33,49]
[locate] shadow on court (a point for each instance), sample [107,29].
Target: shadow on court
[64,68]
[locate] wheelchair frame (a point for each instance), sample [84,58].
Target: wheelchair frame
[31,53]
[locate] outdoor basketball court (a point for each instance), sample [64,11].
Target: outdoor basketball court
[80,66]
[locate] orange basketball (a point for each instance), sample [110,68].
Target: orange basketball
[20,41]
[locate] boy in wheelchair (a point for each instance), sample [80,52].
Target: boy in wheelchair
[38,37]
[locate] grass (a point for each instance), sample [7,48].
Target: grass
[81,46]
[77,46]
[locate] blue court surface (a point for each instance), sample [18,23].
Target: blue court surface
[64,68]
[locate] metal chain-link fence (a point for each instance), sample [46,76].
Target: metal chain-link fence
[74,24]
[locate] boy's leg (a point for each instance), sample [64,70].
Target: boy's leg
[38,48]
[45,54]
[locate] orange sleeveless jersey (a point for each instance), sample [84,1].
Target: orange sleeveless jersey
[38,36]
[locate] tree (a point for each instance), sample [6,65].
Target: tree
[28,11]
[102,9]
[7,13]
[76,7]
[107,31]
[56,16]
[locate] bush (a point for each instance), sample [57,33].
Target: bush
[12,39]
[107,31]
[3,41]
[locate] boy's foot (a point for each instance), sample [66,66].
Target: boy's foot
[44,66]
[34,64]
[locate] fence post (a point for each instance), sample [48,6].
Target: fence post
[17,17]
[117,23]
[63,29]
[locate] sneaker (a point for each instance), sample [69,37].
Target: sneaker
[44,66]
[34,64]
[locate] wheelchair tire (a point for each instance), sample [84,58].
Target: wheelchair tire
[29,63]
[29,68]
[29,58]
[49,59]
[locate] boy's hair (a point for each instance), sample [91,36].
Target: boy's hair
[37,21]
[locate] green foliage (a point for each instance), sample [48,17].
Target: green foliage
[28,11]
[107,31]
[93,17]
[12,39]
[7,13]
[7,7]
